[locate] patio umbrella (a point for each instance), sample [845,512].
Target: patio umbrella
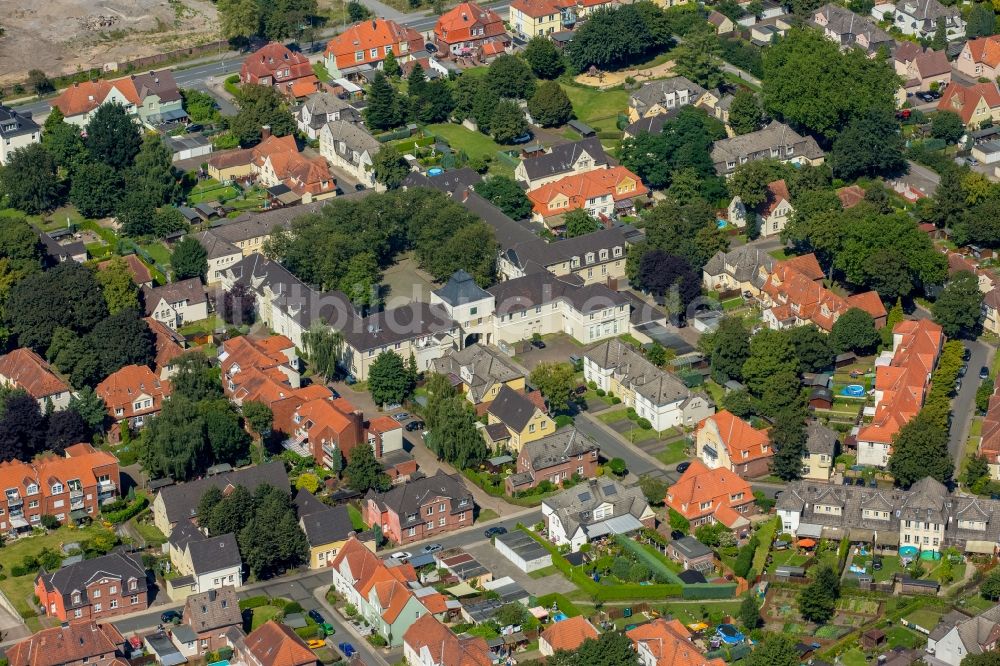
[806,543]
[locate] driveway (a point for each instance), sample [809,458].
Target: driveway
[963,405]
[558,349]
[500,566]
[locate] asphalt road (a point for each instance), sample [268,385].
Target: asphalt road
[963,405]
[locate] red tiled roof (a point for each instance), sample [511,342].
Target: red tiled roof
[84,97]
[670,644]
[275,644]
[373,34]
[536,8]
[167,346]
[81,641]
[444,646]
[579,188]
[456,25]
[274,60]
[140,274]
[699,485]
[569,634]
[962,100]
[120,389]
[851,195]
[985,50]
[739,437]
[777,191]
[28,371]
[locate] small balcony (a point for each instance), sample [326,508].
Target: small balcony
[14,499]
[106,486]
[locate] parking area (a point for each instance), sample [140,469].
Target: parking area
[500,566]
[558,349]
[404,282]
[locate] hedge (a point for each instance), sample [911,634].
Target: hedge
[565,605]
[131,511]
[655,564]
[697,591]
[253,602]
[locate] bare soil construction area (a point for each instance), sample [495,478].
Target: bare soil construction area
[63,37]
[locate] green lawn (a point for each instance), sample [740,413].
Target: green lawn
[597,108]
[486,514]
[320,70]
[613,415]
[200,327]
[543,572]
[357,522]
[674,452]
[262,614]
[903,637]
[925,617]
[854,657]
[475,144]
[693,611]
[715,391]
[159,252]
[788,557]
[149,532]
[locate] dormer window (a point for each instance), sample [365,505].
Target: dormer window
[57,488]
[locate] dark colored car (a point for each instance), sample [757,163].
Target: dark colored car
[358,187]
[538,344]
[682,467]
[316,616]
[430,48]
[414,425]
[677,534]
[495,531]
[335,393]
[860,481]
[984,372]
[171,617]
[967,354]
[962,370]
[347,649]
[194,127]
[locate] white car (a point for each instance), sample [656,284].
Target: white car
[401,555]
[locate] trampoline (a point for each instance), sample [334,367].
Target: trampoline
[930,555]
[729,634]
[435,171]
[853,390]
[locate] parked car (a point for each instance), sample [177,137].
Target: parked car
[194,127]
[962,370]
[171,617]
[335,393]
[358,187]
[860,481]
[682,467]
[430,48]
[414,425]
[967,355]
[495,531]
[984,372]
[677,534]
[538,344]
[401,416]
[402,555]
[432,548]
[347,649]
[316,616]
[314,643]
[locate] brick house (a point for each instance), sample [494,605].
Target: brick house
[554,458]
[71,645]
[467,27]
[26,370]
[103,587]
[277,65]
[364,45]
[706,496]
[133,394]
[567,634]
[727,441]
[429,643]
[419,509]
[274,644]
[72,486]
[210,614]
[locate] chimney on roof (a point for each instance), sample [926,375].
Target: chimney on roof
[374,23]
[265,132]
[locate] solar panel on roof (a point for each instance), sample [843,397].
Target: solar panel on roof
[610,490]
[584,496]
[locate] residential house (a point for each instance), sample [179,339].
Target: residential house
[952,641]
[152,98]
[469,305]
[210,615]
[364,45]
[290,176]
[691,554]
[220,254]
[327,528]
[133,394]
[106,586]
[975,104]
[727,441]
[902,380]
[322,108]
[141,276]
[602,193]
[566,634]
[526,419]
[71,645]
[421,508]
[706,496]
[567,159]
[850,196]
[386,594]
[177,303]
[429,643]
[655,124]
[774,213]
[723,24]
[276,65]
[169,345]
[667,643]
[593,257]
[250,231]
[794,295]
[991,311]
[350,147]
[980,58]
[664,97]
[466,28]
[656,395]
[178,504]
[776,141]
[543,304]
[479,372]
[848,29]
[70,487]
[921,18]
[821,452]
[323,428]
[919,68]
[17,130]
[595,509]
[203,562]
[535,18]
[566,454]
[229,166]
[274,644]
[25,370]
[245,362]
[744,269]
[926,516]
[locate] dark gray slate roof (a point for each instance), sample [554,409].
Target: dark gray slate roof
[190,290]
[208,611]
[512,408]
[321,522]
[691,548]
[820,439]
[120,565]
[214,554]
[558,448]
[560,159]
[160,83]
[651,125]
[461,288]
[15,123]
[541,288]
[181,501]
[407,498]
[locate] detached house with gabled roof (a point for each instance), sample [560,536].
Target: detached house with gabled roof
[71,645]
[772,215]
[429,643]
[525,419]
[421,508]
[602,193]
[848,29]
[957,636]
[177,303]
[920,67]
[663,97]
[566,454]
[667,643]
[133,394]
[705,496]
[744,269]
[322,108]
[25,370]
[566,634]
[655,394]
[276,65]
[17,130]
[349,146]
[203,562]
[593,510]
[273,644]
[920,18]
[364,45]
[975,104]
[980,58]
[561,161]
[114,584]
[479,372]
[727,441]
[776,141]
[210,615]
[468,27]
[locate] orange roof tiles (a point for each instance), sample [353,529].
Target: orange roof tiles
[383,424]
[299,173]
[580,188]
[669,643]
[444,646]
[738,437]
[536,8]
[568,634]
[373,34]
[985,50]
[457,25]
[963,100]
[699,485]
[86,96]
[277,62]
[28,371]
[167,346]
[777,191]
[275,644]
[121,388]
[77,642]
[851,195]
[140,274]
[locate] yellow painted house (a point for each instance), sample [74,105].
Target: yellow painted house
[522,417]
[480,371]
[327,529]
[534,18]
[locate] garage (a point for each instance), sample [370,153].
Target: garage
[521,549]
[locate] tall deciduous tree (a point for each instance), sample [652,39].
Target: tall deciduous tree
[260,106]
[507,195]
[615,38]
[730,349]
[67,295]
[920,449]
[153,175]
[389,167]
[507,122]
[511,77]
[854,331]
[958,308]
[29,180]
[698,58]
[189,259]
[771,352]
[550,106]
[871,145]
[113,137]
[388,379]
[363,471]
[818,600]
[119,289]
[745,114]
[556,382]
[544,58]
[174,442]
[578,222]
[239,19]
[323,347]
[96,190]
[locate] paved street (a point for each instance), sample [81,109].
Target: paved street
[963,405]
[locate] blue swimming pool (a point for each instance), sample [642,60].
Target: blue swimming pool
[908,551]
[559,617]
[729,634]
[721,224]
[435,171]
[853,390]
